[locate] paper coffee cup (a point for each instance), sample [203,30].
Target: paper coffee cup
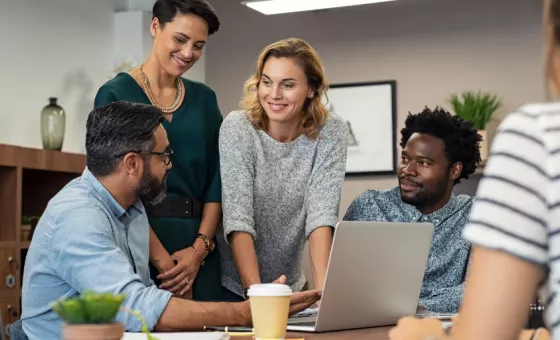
[270,306]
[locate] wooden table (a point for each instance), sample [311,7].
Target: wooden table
[378,333]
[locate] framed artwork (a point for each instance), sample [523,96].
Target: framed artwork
[370,111]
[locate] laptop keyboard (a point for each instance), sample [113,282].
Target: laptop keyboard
[303,323]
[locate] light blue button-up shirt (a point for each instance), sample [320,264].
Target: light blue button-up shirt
[86,241]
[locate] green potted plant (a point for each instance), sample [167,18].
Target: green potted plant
[478,108]
[28,225]
[91,316]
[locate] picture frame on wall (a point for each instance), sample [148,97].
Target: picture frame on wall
[370,112]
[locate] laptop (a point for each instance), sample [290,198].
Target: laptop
[374,276]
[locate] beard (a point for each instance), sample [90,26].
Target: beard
[426,194]
[151,190]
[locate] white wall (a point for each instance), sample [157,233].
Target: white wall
[134,5]
[430,47]
[58,48]
[65,49]
[132,38]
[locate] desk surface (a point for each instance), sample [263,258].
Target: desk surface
[379,333]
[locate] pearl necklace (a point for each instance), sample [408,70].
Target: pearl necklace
[178,98]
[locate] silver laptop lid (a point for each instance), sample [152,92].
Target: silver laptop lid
[374,275]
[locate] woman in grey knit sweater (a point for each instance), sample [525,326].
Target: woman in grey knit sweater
[283,159]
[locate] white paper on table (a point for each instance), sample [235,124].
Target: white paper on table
[306,312]
[178,336]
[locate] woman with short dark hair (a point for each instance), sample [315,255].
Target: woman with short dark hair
[184,224]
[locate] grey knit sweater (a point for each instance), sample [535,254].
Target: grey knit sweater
[279,193]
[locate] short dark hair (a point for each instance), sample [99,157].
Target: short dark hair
[166,10]
[115,129]
[462,141]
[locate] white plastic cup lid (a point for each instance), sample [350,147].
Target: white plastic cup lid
[269,289]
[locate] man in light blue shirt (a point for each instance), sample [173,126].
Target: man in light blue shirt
[94,234]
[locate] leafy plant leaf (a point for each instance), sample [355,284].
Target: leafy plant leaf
[138,316]
[88,308]
[70,310]
[476,107]
[95,308]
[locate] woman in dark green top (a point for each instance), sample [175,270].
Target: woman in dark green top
[184,224]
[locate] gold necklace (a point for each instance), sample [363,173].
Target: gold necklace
[178,98]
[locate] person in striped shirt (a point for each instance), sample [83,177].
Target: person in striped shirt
[514,225]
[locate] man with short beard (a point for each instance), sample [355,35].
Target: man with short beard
[94,234]
[438,151]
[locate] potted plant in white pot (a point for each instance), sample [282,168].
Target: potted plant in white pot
[477,108]
[91,316]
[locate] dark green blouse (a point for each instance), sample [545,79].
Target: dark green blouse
[193,136]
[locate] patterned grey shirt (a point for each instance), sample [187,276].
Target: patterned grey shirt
[442,289]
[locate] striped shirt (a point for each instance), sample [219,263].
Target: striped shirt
[518,200]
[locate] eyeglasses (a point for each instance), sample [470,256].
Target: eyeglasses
[165,156]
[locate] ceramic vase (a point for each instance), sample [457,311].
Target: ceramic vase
[53,125]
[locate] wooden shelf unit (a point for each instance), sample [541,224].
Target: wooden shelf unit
[29,178]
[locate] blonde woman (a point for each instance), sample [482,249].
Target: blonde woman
[514,224]
[283,159]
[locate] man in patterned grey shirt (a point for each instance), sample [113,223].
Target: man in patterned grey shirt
[438,151]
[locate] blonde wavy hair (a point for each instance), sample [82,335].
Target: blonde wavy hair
[314,111]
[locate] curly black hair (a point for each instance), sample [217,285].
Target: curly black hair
[462,141]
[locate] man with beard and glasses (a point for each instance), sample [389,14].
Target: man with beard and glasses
[94,234]
[438,151]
